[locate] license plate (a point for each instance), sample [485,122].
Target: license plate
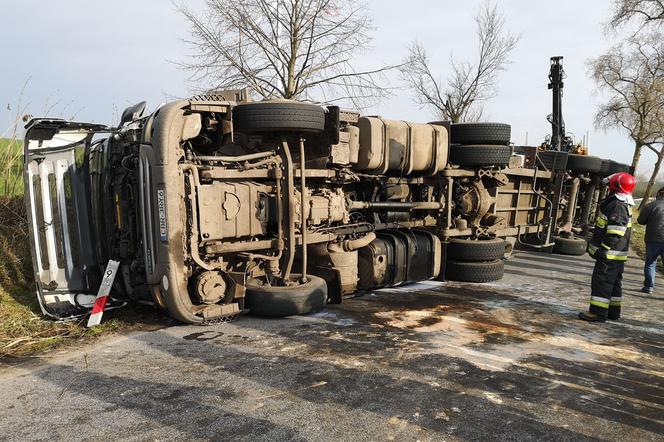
[161,206]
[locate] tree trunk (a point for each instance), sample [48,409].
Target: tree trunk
[637,156]
[653,179]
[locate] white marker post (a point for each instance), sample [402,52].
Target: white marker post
[104,292]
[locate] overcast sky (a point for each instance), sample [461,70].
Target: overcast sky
[92,59]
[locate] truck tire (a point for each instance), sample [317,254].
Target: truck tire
[480,155]
[584,163]
[278,116]
[569,246]
[474,271]
[476,250]
[552,160]
[480,133]
[605,169]
[286,301]
[615,167]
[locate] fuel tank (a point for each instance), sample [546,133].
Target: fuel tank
[401,148]
[399,256]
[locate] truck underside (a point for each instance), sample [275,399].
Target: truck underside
[215,207]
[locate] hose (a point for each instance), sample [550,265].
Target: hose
[303,211]
[351,244]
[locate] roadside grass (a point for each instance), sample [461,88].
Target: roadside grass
[11,167]
[24,331]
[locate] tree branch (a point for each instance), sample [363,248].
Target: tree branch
[469,85]
[299,49]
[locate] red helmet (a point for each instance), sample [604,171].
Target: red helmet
[622,182]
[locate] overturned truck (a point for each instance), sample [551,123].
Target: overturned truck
[214,206]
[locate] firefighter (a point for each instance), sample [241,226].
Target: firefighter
[609,247]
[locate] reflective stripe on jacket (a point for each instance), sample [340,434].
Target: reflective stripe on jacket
[613,229]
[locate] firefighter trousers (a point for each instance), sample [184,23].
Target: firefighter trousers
[606,288]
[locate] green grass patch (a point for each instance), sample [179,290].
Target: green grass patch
[24,331]
[11,167]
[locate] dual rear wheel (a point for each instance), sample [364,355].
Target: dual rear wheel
[475,260]
[480,144]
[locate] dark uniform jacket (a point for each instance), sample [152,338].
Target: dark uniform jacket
[652,216]
[613,229]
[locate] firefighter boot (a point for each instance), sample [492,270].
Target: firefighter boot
[594,314]
[614,312]
[592,317]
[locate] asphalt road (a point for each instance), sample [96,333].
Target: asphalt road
[433,361]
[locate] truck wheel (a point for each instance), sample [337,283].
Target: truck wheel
[288,300]
[278,116]
[474,250]
[480,155]
[480,133]
[616,167]
[474,271]
[552,160]
[605,169]
[584,163]
[569,246]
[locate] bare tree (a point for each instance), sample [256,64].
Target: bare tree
[289,49]
[659,153]
[635,80]
[643,12]
[462,96]
[632,75]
